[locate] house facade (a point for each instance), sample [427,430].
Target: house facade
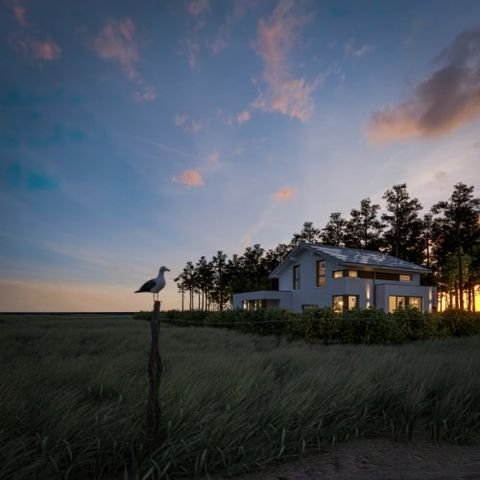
[315,275]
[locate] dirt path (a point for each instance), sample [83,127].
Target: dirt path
[380,460]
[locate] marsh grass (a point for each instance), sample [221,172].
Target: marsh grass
[73,392]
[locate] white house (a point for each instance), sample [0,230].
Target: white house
[315,275]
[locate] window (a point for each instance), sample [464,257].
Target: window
[399,302]
[337,274]
[321,273]
[387,276]
[415,302]
[343,303]
[296,277]
[352,273]
[405,278]
[365,274]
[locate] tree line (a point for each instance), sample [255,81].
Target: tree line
[445,239]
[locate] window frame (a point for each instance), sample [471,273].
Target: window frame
[296,280]
[321,278]
[345,303]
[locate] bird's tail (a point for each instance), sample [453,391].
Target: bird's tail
[137,291]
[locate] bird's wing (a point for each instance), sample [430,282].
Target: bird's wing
[147,286]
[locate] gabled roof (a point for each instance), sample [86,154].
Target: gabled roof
[353,256]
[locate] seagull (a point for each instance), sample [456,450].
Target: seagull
[155,284]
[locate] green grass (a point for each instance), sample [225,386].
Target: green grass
[73,393]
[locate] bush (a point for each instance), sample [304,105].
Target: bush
[458,323]
[323,325]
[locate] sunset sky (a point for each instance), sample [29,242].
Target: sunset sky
[141,133]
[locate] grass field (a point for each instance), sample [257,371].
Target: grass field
[73,392]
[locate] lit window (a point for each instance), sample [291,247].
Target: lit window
[338,303]
[415,302]
[338,274]
[296,277]
[321,273]
[352,273]
[396,303]
[405,278]
[343,303]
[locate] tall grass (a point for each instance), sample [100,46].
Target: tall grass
[73,392]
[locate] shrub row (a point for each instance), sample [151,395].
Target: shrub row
[323,325]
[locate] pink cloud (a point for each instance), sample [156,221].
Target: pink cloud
[284,194]
[31,47]
[46,50]
[219,43]
[243,117]
[116,42]
[448,99]
[19,11]
[277,37]
[198,7]
[190,178]
[186,122]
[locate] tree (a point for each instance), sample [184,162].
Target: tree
[458,231]
[309,234]
[403,224]
[363,228]
[220,288]
[335,230]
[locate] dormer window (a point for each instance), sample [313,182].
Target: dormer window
[321,270]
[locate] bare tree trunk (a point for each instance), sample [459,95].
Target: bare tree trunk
[154,377]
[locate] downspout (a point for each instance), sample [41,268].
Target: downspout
[374,289]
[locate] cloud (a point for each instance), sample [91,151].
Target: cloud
[448,99]
[186,122]
[19,11]
[46,50]
[116,42]
[352,50]
[243,117]
[190,178]
[284,194]
[28,43]
[31,47]
[276,39]
[219,43]
[198,7]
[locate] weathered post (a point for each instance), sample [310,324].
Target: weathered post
[154,376]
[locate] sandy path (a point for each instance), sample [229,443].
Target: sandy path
[379,460]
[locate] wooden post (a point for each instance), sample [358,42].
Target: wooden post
[154,377]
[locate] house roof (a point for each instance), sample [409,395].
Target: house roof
[352,257]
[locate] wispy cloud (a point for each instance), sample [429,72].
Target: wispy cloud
[19,11]
[445,101]
[116,42]
[44,50]
[284,194]
[198,7]
[243,117]
[190,178]
[26,42]
[352,49]
[185,121]
[276,39]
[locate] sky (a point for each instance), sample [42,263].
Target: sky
[141,133]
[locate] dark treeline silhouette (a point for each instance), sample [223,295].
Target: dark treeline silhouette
[446,240]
